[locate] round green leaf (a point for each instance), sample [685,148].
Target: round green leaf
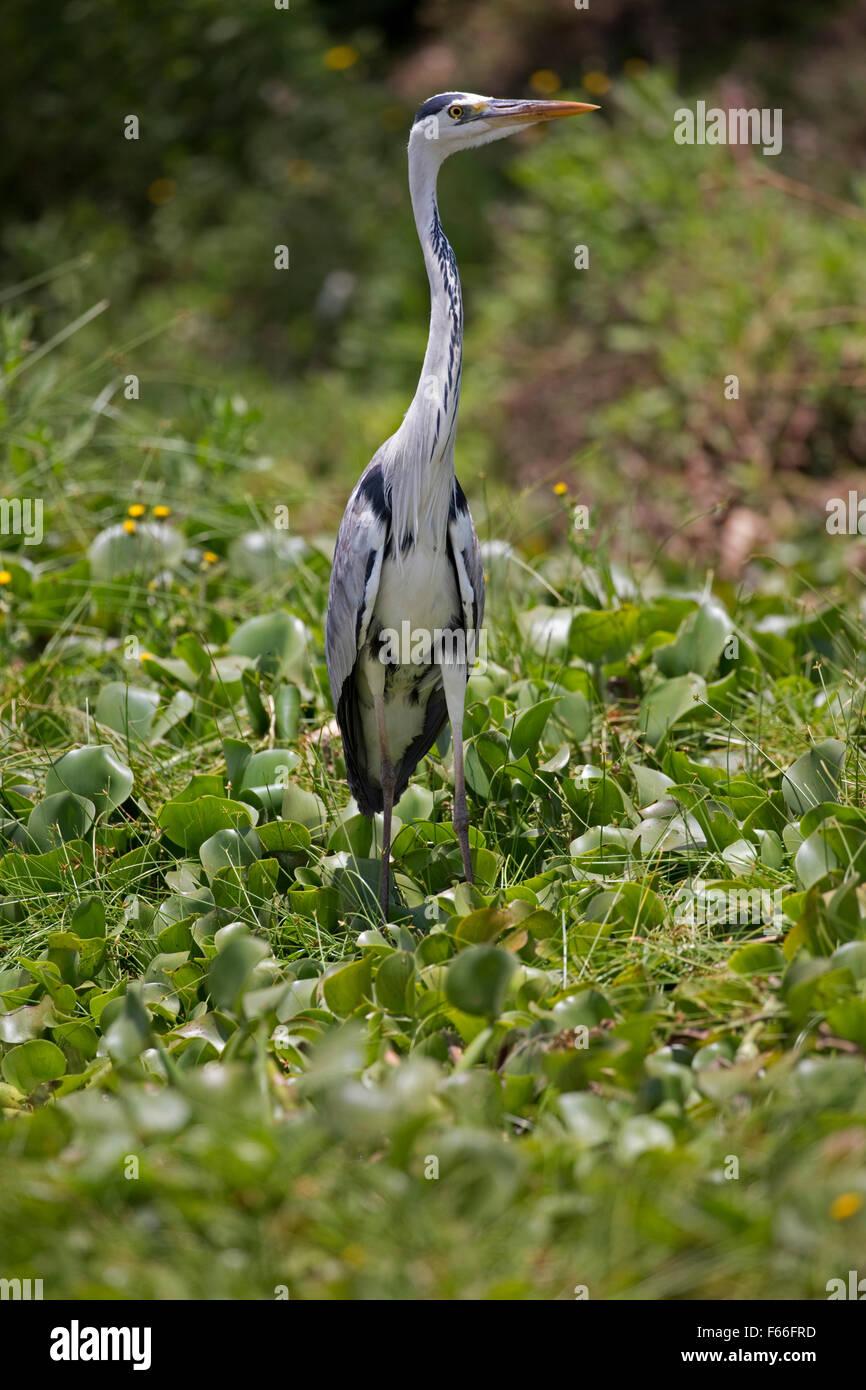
[60,818]
[477,980]
[93,772]
[150,547]
[32,1063]
[190,823]
[279,637]
[814,777]
[128,709]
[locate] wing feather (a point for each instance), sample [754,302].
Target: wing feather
[468,565]
[357,569]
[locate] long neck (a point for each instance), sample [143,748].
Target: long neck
[438,394]
[421,462]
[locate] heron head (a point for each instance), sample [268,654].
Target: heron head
[458,120]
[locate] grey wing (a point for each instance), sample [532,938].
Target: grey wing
[468,564]
[361,543]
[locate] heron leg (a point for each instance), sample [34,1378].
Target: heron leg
[454,677]
[386,777]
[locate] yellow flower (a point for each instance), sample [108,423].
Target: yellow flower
[210,557]
[560,489]
[161,191]
[161,512]
[596,83]
[136,509]
[5,577]
[545,82]
[341,57]
[845,1205]
[300,171]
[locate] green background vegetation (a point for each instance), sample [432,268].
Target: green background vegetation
[221,1074]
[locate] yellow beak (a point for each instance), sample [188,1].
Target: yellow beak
[528,112]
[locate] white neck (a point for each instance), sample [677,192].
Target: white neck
[420,458]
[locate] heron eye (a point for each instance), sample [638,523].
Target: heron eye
[455,112]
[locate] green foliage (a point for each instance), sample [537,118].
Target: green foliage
[509,1087]
[661,964]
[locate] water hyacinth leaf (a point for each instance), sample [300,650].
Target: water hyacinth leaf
[26,1022]
[758,958]
[603,849]
[262,557]
[32,1063]
[529,726]
[354,835]
[478,978]
[304,807]
[88,926]
[356,880]
[651,783]
[772,849]
[262,879]
[127,709]
[144,550]
[170,671]
[541,924]
[189,824]
[349,986]
[266,777]
[179,706]
[814,859]
[546,629]
[699,643]
[277,641]
[60,818]
[95,773]
[740,856]
[586,1117]
[28,875]
[642,1134]
[484,924]
[587,1008]
[634,905]
[851,956]
[260,718]
[848,1020]
[287,710]
[667,703]
[232,968]
[129,1030]
[298,996]
[227,849]
[284,837]
[416,803]
[394,979]
[557,761]
[78,1035]
[814,777]
[603,634]
[476,777]
[575,712]
[189,649]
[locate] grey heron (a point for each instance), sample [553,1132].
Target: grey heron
[406,598]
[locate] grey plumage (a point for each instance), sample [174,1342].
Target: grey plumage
[365,542]
[407,561]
